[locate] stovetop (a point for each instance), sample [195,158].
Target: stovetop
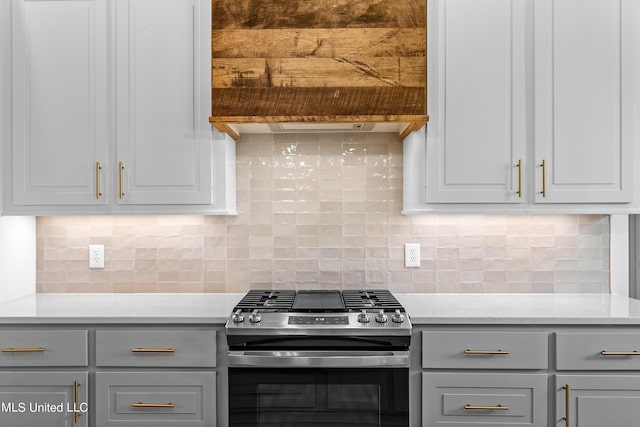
[318,301]
[319,313]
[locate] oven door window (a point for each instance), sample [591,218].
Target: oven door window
[318,397]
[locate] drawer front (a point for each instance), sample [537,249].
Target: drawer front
[597,351]
[144,348]
[485,350]
[465,400]
[141,399]
[43,348]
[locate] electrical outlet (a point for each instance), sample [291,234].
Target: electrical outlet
[96,256]
[412,254]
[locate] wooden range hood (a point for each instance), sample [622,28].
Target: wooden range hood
[319,63]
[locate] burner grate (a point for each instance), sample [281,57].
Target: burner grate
[275,300]
[374,299]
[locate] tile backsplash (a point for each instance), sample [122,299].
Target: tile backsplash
[323,211]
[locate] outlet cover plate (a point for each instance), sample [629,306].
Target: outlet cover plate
[96,256]
[412,254]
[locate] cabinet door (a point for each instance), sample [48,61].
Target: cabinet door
[596,401]
[584,100]
[163,101]
[43,399]
[476,135]
[59,104]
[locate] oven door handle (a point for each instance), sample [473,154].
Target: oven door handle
[319,359]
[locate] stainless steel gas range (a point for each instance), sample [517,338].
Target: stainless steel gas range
[318,358]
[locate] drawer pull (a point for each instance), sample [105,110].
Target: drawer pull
[481,352]
[620,353]
[544,178]
[120,179]
[23,350]
[153,405]
[76,384]
[567,396]
[519,165]
[485,408]
[153,350]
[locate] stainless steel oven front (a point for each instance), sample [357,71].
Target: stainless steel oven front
[318,359]
[272,388]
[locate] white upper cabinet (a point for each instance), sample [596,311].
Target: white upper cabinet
[59,67]
[476,136]
[514,84]
[584,100]
[163,133]
[111,101]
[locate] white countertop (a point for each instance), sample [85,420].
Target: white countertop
[543,309]
[119,308]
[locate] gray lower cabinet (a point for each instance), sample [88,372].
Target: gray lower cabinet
[496,399]
[102,376]
[597,400]
[44,399]
[542,376]
[152,398]
[597,397]
[174,383]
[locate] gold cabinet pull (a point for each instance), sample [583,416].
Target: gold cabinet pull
[519,192]
[566,405]
[23,350]
[485,408]
[544,178]
[75,401]
[485,352]
[98,169]
[153,405]
[121,177]
[620,353]
[153,350]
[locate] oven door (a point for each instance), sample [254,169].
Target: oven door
[318,389]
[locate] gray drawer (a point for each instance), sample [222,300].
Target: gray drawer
[485,350]
[141,399]
[464,400]
[43,348]
[597,351]
[147,348]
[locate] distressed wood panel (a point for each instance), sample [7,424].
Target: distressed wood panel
[320,43]
[323,58]
[330,101]
[229,14]
[318,72]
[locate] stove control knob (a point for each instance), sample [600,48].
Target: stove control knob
[237,317]
[254,317]
[381,317]
[363,317]
[397,317]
